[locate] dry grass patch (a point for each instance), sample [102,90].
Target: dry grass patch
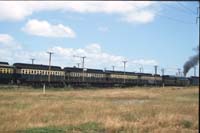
[102,110]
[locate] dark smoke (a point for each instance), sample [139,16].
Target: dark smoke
[193,61]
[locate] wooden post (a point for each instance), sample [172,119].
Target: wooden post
[44,88]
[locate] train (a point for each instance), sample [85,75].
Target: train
[38,75]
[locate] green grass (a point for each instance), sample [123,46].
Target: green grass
[89,127]
[186,124]
[43,130]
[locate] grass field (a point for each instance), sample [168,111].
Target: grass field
[127,110]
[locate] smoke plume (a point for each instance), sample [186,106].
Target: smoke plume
[193,61]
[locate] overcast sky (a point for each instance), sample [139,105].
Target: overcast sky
[143,33]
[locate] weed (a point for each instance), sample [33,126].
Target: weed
[186,123]
[43,130]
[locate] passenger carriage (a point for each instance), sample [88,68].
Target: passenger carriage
[118,78]
[38,74]
[6,73]
[78,76]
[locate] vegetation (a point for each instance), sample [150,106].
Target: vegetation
[125,110]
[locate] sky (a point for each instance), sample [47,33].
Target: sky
[145,34]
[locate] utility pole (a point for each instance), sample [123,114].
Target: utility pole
[156,67]
[194,70]
[199,22]
[198,18]
[83,58]
[163,71]
[83,63]
[198,30]
[113,67]
[179,72]
[32,60]
[49,76]
[124,68]
[198,14]
[78,64]
[141,69]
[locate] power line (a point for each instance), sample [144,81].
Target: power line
[174,19]
[186,8]
[177,8]
[198,13]
[169,17]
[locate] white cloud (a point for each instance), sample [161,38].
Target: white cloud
[135,11]
[7,41]
[5,38]
[13,11]
[142,17]
[144,62]
[8,47]
[44,28]
[95,57]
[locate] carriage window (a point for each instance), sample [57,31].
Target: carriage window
[4,71]
[27,71]
[1,70]
[8,70]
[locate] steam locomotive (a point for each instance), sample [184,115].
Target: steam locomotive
[37,75]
